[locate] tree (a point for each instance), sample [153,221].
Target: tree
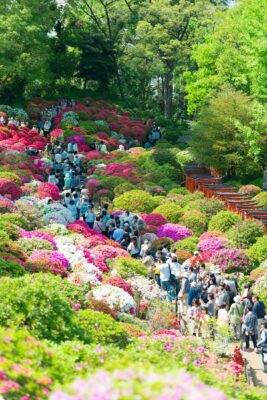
[233,53]
[230,134]
[25,52]
[163,37]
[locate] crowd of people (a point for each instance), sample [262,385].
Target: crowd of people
[200,293]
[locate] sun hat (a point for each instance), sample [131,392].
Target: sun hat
[218,271]
[196,253]
[193,284]
[237,299]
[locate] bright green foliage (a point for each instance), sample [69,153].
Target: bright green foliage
[189,244]
[209,207]
[123,187]
[10,176]
[233,128]
[128,267]
[11,269]
[7,230]
[16,219]
[135,201]
[257,252]
[102,328]
[233,53]
[261,199]
[29,245]
[171,211]
[196,221]
[223,221]
[245,233]
[43,303]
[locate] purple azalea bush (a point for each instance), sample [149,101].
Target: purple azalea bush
[174,232]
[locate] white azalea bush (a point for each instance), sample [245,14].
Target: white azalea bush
[115,297]
[146,288]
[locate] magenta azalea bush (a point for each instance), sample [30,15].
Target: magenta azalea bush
[50,190]
[174,232]
[232,260]
[39,235]
[10,189]
[154,219]
[49,261]
[213,244]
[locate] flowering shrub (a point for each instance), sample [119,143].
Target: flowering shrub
[260,289]
[116,298]
[10,176]
[162,242]
[146,289]
[258,273]
[10,189]
[49,261]
[211,235]
[127,267]
[251,190]
[212,244]
[14,218]
[154,219]
[102,328]
[102,306]
[39,235]
[48,190]
[232,260]
[110,252]
[174,232]
[136,201]
[121,283]
[209,207]
[116,384]
[223,221]
[257,252]
[6,206]
[172,212]
[245,233]
[183,255]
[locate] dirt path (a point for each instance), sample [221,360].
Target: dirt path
[254,360]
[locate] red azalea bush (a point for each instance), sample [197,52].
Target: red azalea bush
[10,189]
[82,228]
[121,283]
[93,155]
[48,189]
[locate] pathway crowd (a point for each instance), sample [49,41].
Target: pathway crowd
[201,293]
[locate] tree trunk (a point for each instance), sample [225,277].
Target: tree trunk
[118,77]
[168,93]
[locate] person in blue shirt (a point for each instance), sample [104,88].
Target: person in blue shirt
[89,217]
[118,234]
[258,309]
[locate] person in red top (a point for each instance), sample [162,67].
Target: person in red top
[196,260]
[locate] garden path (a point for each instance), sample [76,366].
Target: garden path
[254,361]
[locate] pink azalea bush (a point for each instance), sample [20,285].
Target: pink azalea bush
[174,232]
[50,190]
[49,261]
[109,252]
[121,283]
[39,235]
[232,260]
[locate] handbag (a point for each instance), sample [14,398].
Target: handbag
[172,277]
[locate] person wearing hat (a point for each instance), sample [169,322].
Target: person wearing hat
[218,276]
[196,260]
[236,316]
[223,297]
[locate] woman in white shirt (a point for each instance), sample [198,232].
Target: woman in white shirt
[133,248]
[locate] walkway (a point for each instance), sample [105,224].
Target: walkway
[259,378]
[200,178]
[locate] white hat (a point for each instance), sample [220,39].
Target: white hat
[193,284]
[237,299]
[218,271]
[196,253]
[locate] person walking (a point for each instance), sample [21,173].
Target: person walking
[133,247]
[89,217]
[183,293]
[259,309]
[236,316]
[250,325]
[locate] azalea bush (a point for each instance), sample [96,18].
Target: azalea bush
[172,212]
[49,261]
[244,234]
[168,242]
[223,221]
[128,267]
[29,245]
[48,190]
[13,218]
[232,260]
[209,207]
[10,189]
[189,244]
[251,190]
[174,232]
[136,201]
[43,303]
[261,199]
[258,251]
[194,220]
[115,297]
[154,219]
[102,328]
[121,283]
[11,269]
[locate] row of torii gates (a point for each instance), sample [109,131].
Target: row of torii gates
[200,178]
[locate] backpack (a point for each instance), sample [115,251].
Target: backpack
[172,279]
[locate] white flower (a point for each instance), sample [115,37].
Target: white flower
[115,297]
[148,290]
